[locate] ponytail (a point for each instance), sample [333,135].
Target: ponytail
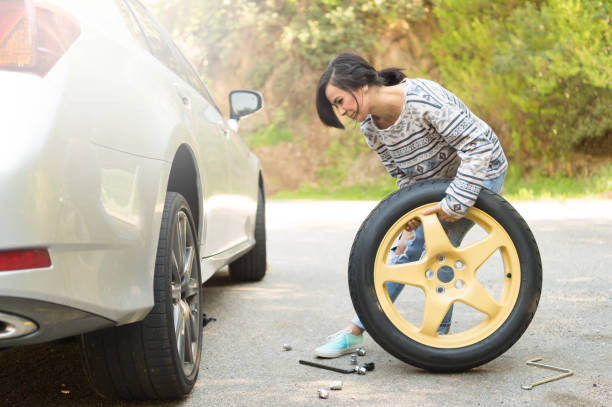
[391,76]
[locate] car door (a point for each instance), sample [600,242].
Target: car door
[206,124]
[212,130]
[244,189]
[239,205]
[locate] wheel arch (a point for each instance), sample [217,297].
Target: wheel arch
[185,179]
[261,184]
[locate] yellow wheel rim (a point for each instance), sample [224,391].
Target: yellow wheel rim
[472,293]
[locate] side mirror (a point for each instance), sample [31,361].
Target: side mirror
[244,102]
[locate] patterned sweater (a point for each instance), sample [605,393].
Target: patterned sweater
[437,136]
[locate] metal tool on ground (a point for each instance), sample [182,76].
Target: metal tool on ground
[206,320]
[361,351]
[353,359]
[336,385]
[287,347]
[533,362]
[323,394]
[369,366]
[358,369]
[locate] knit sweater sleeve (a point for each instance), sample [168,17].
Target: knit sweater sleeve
[469,137]
[375,144]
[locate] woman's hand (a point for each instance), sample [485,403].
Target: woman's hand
[441,214]
[413,224]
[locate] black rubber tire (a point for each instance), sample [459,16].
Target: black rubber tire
[141,360]
[252,266]
[378,325]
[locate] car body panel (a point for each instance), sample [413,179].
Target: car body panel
[85,159]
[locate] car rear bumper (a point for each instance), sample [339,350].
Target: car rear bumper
[97,211]
[24,321]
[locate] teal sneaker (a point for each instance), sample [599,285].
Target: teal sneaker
[338,344]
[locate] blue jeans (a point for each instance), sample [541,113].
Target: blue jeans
[414,250]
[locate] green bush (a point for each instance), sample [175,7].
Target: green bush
[544,67]
[273,133]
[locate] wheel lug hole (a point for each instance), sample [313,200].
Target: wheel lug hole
[440,290]
[429,274]
[440,258]
[459,265]
[459,284]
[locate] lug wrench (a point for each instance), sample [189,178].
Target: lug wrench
[532,362]
[358,369]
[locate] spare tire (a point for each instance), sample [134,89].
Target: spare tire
[446,275]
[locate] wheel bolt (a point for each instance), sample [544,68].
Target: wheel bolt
[429,274]
[440,258]
[459,265]
[440,289]
[459,284]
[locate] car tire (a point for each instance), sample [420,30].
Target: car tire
[252,266]
[506,318]
[158,357]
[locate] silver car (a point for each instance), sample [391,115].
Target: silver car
[123,190]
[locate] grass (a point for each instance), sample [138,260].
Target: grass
[516,188]
[559,187]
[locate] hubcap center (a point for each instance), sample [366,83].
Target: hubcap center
[446,274]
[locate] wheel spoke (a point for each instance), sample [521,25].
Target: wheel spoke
[175,275]
[407,273]
[189,255]
[479,298]
[190,288]
[436,240]
[477,253]
[194,314]
[176,291]
[433,314]
[180,247]
[188,334]
[180,331]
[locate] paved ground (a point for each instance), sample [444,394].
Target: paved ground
[305,297]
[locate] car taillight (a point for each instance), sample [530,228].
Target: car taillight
[24,259]
[34,35]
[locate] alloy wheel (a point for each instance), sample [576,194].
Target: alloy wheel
[185,292]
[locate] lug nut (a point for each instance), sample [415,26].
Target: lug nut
[336,385]
[429,274]
[287,347]
[361,351]
[323,394]
[459,284]
[459,265]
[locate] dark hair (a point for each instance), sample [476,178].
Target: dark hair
[350,72]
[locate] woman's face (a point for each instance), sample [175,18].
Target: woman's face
[345,104]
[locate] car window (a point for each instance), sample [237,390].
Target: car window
[194,78]
[167,52]
[156,40]
[132,24]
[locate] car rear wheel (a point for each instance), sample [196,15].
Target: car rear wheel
[252,265]
[158,357]
[493,282]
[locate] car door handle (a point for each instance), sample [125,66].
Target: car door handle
[186,101]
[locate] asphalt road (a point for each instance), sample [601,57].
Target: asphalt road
[305,297]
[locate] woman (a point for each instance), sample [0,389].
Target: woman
[420,131]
